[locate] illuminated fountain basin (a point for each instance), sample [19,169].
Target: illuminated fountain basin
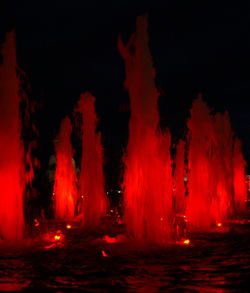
[65,259]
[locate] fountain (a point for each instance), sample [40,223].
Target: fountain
[61,256]
[12,168]
[65,188]
[216,172]
[147,178]
[179,197]
[239,181]
[91,181]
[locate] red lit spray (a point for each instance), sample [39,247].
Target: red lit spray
[65,188]
[13,175]
[216,172]
[93,202]
[147,177]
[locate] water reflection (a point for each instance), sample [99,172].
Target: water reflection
[215,262]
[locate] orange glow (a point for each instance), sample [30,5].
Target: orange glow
[57,237]
[187,242]
[109,239]
[219,224]
[36,223]
[68,226]
[183,242]
[104,254]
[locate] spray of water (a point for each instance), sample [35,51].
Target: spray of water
[93,202]
[65,188]
[147,177]
[216,168]
[12,168]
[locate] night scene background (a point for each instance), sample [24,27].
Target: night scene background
[65,48]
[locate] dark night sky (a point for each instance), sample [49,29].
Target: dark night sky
[67,47]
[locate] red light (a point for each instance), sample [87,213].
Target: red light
[109,239]
[36,223]
[57,237]
[65,190]
[53,245]
[68,226]
[187,242]
[104,254]
[219,224]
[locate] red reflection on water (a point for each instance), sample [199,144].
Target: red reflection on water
[91,181]
[56,240]
[109,239]
[65,178]
[183,242]
[147,178]
[36,223]
[104,254]
[12,284]
[53,245]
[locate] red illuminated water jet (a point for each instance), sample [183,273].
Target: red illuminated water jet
[147,177]
[214,185]
[179,192]
[93,202]
[12,169]
[65,189]
[239,179]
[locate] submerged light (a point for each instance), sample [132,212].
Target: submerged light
[109,239]
[36,223]
[57,237]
